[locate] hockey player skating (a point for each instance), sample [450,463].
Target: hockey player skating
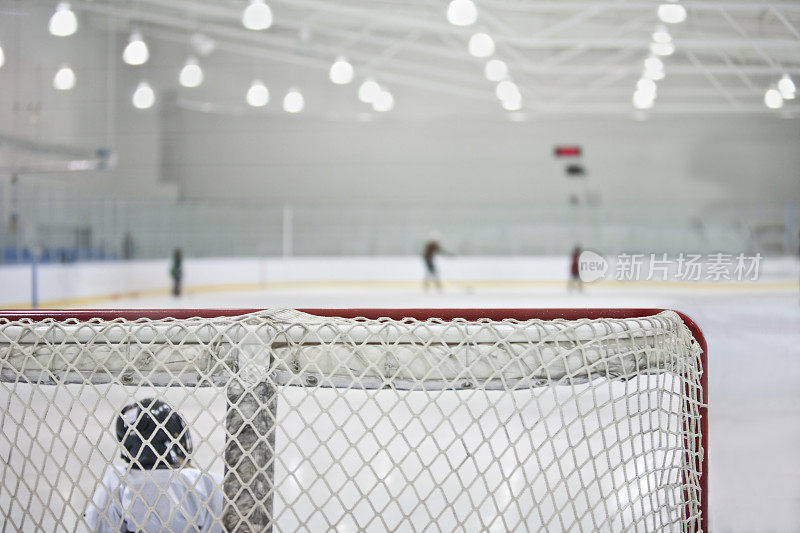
[176,271]
[158,490]
[432,248]
[575,271]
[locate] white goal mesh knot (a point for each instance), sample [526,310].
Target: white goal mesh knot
[310,423]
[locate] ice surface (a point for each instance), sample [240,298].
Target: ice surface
[754,375]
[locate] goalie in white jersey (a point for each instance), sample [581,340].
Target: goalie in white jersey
[158,490]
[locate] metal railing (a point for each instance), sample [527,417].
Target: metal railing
[60,223]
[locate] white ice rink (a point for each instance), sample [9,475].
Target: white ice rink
[754,375]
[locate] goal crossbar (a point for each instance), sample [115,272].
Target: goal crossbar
[376,353]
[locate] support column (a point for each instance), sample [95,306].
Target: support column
[249,457]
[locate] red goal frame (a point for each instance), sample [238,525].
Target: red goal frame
[420,314]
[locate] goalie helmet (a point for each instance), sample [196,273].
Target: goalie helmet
[153,435]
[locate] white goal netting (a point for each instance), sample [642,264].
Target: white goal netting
[298,422]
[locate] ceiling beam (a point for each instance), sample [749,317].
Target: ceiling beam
[714,81]
[383,75]
[444,52]
[789,26]
[743,33]
[383,17]
[641,5]
[286,51]
[446,67]
[697,109]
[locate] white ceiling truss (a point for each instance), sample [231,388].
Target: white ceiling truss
[567,56]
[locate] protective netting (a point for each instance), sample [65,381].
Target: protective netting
[308,423]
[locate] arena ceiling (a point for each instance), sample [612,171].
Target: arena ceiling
[566,56]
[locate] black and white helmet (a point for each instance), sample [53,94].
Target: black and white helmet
[153,435]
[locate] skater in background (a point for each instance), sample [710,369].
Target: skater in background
[176,271]
[158,490]
[575,271]
[432,248]
[128,246]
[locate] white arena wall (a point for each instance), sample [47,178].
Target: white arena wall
[100,283]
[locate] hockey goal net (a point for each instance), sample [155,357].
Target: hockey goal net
[358,420]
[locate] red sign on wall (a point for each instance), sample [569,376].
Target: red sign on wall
[566,150]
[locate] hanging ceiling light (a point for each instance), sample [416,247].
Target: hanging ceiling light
[64,80]
[507,90]
[512,104]
[672,13]
[63,22]
[191,73]
[662,49]
[786,87]
[653,63]
[643,100]
[661,35]
[293,102]
[462,12]
[257,16]
[653,68]
[143,96]
[481,45]
[495,70]
[369,91]
[136,52]
[773,98]
[383,102]
[341,71]
[646,86]
[257,94]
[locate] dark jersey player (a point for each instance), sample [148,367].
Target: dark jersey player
[176,271]
[430,251]
[574,270]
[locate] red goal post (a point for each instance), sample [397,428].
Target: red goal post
[471,315]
